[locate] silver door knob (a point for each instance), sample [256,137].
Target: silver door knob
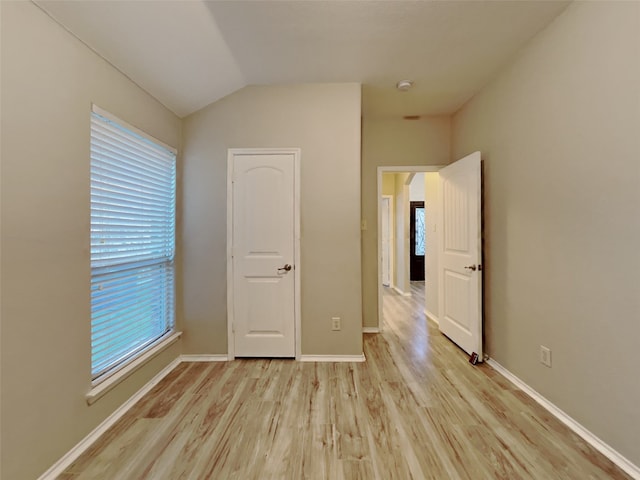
[285,269]
[471,267]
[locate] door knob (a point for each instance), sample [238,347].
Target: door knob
[285,269]
[471,267]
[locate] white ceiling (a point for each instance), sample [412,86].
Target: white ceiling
[189,53]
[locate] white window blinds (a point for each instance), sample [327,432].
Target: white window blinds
[132,242]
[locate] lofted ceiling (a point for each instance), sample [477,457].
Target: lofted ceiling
[190,53]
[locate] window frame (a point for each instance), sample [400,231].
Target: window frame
[122,367]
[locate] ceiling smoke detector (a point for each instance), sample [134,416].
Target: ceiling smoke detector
[404,85]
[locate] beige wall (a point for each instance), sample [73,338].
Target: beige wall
[401,233]
[388,184]
[431,202]
[392,142]
[49,80]
[416,188]
[324,121]
[559,131]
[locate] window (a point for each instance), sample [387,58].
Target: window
[419,229]
[133,188]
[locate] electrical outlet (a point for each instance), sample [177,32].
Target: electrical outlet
[335,323]
[545,356]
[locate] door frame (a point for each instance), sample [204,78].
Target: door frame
[391,237]
[380,171]
[231,153]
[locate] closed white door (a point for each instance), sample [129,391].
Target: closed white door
[263,254]
[460,268]
[385,228]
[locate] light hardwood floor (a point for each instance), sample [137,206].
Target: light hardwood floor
[415,410]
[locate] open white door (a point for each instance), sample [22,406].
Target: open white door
[460,267]
[263,286]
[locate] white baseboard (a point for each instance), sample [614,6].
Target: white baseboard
[370,329]
[431,317]
[605,449]
[402,292]
[72,455]
[332,358]
[223,357]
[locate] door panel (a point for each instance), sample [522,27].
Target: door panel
[457,292]
[263,243]
[460,268]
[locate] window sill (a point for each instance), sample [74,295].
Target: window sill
[104,386]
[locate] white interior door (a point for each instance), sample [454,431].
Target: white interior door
[263,254]
[460,269]
[386,241]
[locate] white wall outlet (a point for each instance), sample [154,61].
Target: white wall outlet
[545,356]
[335,323]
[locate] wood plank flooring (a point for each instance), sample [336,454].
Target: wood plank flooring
[416,409]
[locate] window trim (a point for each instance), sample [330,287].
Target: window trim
[101,385]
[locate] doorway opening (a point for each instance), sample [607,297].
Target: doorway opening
[452,257]
[407,243]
